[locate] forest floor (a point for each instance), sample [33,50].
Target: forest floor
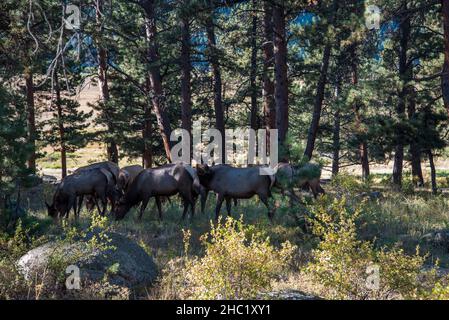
[393,219]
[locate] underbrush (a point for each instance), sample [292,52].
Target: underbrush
[333,247]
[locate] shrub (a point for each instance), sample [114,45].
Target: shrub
[239,262]
[349,268]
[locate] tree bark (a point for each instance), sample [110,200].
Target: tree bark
[281,80]
[445,76]
[336,144]
[404,74]
[363,146]
[213,59]
[336,135]
[61,129]
[433,174]
[31,119]
[253,70]
[102,55]
[321,86]
[415,152]
[186,94]
[269,108]
[154,75]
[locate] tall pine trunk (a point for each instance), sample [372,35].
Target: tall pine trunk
[321,86]
[61,129]
[445,76]
[253,70]
[147,156]
[404,75]
[336,135]
[216,72]
[154,76]
[186,94]
[415,152]
[269,108]
[31,118]
[363,146]
[112,150]
[281,80]
[433,174]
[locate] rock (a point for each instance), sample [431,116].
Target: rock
[438,238]
[126,265]
[287,295]
[373,195]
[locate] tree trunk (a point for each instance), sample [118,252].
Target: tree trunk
[433,174]
[31,121]
[404,74]
[268,57]
[154,75]
[281,80]
[186,95]
[445,76]
[336,133]
[253,70]
[363,146]
[336,144]
[269,108]
[61,127]
[147,157]
[112,150]
[415,152]
[213,59]
[321,86]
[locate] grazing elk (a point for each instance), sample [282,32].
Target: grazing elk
[301,176]
[109,166]
[165,181]
[94,182]
[236,183]
[127,175]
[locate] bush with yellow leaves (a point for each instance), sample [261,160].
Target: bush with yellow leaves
[239,263]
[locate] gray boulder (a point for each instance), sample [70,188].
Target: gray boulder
[123,262]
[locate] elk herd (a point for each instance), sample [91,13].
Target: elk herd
[104,182]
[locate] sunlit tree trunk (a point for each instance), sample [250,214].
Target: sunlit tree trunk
[281,80]
[404,75]
[31,118]
[112,149]
[445,76]
[154,76]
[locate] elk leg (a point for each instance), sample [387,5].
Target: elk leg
[186,207]
[70,204]
[203,201]
[159,207]
[97,205]
[192,207]
[235,202]
[80,204]
[264,199]
[228,205]
[220,199]
[143,207]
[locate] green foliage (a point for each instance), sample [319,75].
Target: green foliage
[239,262]
[341,263]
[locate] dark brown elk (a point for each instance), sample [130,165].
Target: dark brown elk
[307,175]
[94,182]
[236,183]
[127,175]
[92,201]
[164,181]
